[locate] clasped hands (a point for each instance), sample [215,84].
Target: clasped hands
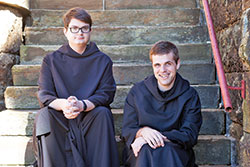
[72,107]
[147,135]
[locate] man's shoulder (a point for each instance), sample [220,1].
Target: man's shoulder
[190,93]
[104,56]
[50,56]
[140,86]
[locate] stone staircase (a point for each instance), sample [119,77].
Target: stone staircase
[125,30]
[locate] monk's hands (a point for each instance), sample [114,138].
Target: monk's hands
[153,137]
[72,107]
[137,145]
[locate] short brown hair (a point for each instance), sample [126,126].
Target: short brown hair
[77,13]
[164,47]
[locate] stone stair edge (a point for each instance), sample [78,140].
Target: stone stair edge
[21,123]
[116,27]
[200,52]
[118,86]
[117,64]
[25,97]
[25,142]
[114,110]
[103,10]
[122,35]
[111,4]
[119,45]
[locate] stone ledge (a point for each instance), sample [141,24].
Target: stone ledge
[24,97]
[189,53]
[124,73]
[20,122]
[21,5]
[150,17]
[210,150]
[121,35]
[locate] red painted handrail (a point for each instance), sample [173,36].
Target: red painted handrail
[220,71]
[242,88]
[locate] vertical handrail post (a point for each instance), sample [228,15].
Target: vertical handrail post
[217,58]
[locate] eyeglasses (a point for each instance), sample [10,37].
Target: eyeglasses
[84,29]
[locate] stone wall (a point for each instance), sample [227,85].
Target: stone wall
[12,16]
[231,21]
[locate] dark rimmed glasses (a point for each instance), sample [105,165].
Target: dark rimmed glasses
[84,29]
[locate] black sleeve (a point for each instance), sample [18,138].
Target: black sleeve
[46,92]
[191,122]
[130,124]
[104,94]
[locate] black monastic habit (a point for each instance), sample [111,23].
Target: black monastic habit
[88,140]
[176,114]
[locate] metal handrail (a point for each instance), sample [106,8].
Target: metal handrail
[217,57]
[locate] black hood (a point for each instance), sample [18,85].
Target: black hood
[180,86]
[90,50]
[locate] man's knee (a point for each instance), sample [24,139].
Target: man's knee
[103,111]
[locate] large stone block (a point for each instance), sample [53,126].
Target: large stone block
[213,150]
[61,4]
[6,62]
[11,32]
[234,79]
[17,122]
[246,105]
[159,17]
[17,3]
[236,130]
[138,4]
[189,53]
[16,150]
[229,42]
[225,12]
[245,150]
[33,54]
[213,122]
[121,35]
[244,50]
[21,97]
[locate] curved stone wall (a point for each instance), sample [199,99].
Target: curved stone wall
[12,16]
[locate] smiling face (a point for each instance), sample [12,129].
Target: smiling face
[165,68]
[79,39]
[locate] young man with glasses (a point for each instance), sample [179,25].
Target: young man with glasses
[74,127]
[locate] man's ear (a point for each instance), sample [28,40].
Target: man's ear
[64,31]
[178,63]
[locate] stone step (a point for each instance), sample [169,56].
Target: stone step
[150,17]
[118,35]
[213,121]
[61,4]
[19,152]
[142,4]
[20,122]
[25,97]
[128,73]
[111,4]
[16,150]
[189,53]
